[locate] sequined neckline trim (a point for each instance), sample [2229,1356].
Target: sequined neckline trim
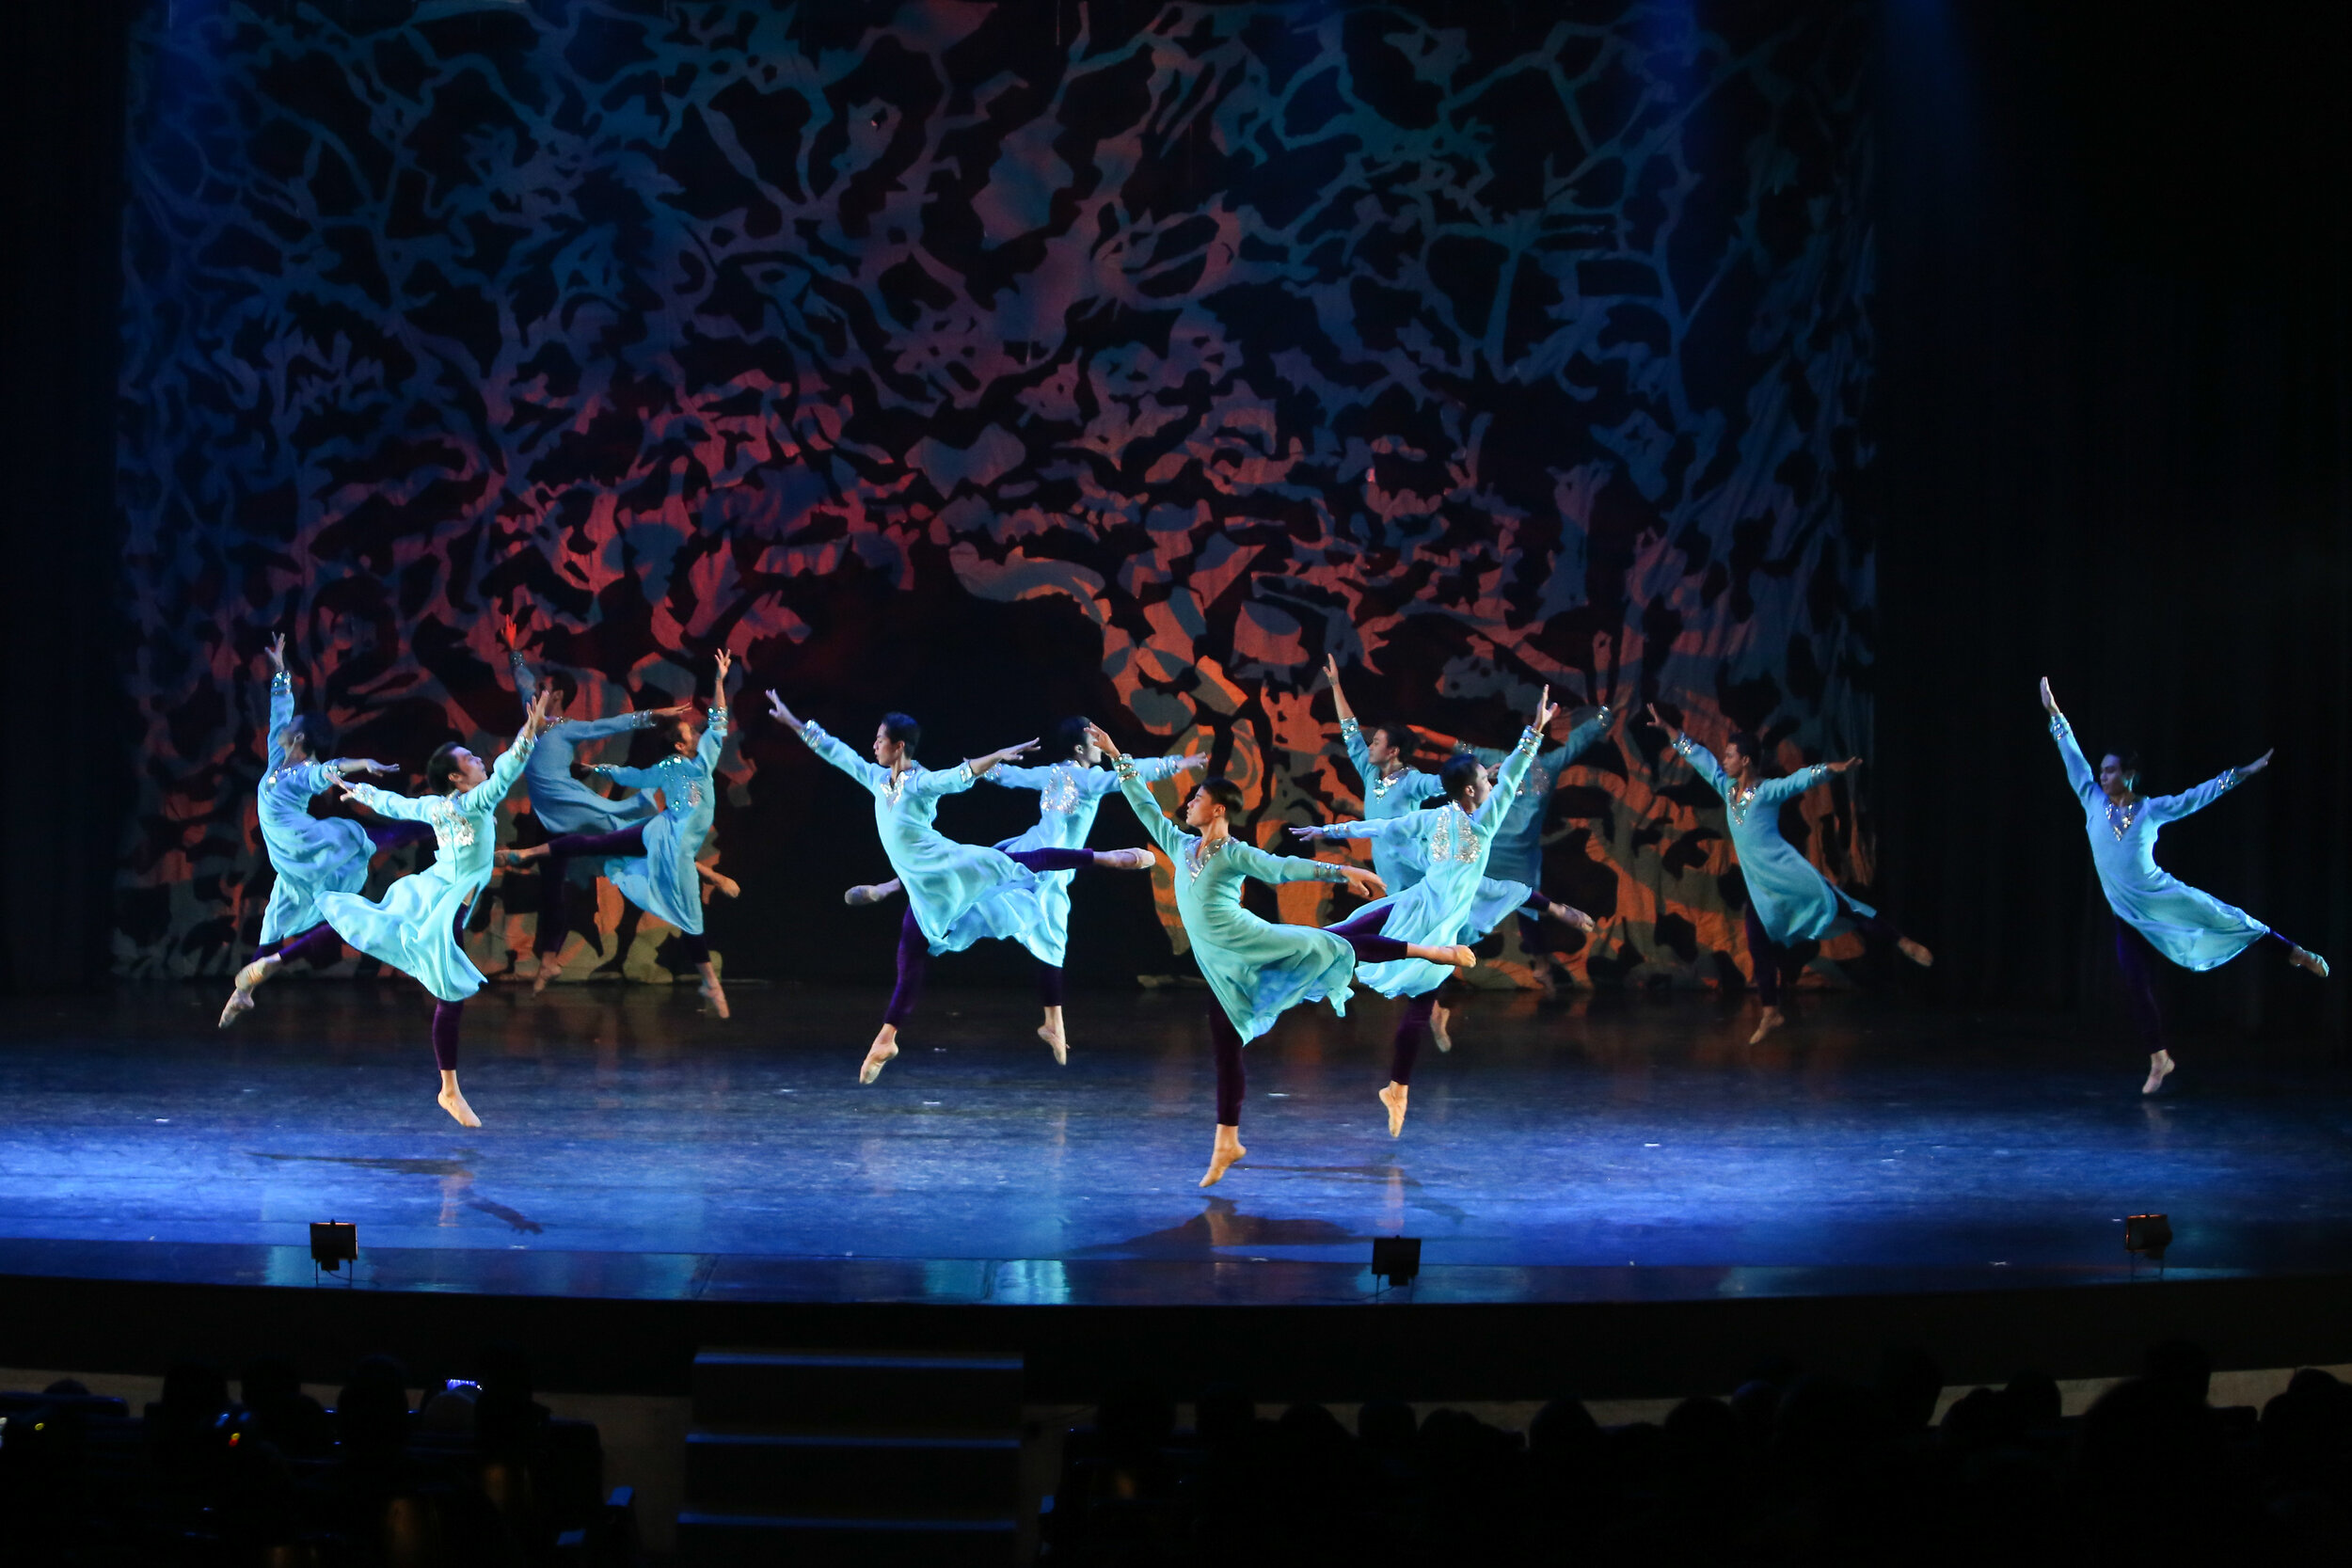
[1204,850]
[2122,818]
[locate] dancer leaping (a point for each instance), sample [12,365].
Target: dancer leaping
[1788,901]
[1256,970]
[311,855]
[2153,909]
[957,894]
[1070,792]
[1393,788]
[1517,851]
[418,924]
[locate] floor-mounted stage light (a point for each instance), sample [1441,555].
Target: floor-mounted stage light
[1396,1258]
[2147,1235]
[333,1244]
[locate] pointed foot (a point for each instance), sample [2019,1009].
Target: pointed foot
[865,893]
[876,1059]
[2303,957]
[1439,1031]
[240,1002]
[727,886]
[716,996]
[1392,1098]
[550,972]
[2160,1068]
[1054,1039]
[1222,1157]
[1124,859]
[1916,953]
[1773,1018]
[454,1103]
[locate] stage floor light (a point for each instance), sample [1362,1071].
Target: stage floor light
[333,1244]
[1396,1258]
[2148,1234]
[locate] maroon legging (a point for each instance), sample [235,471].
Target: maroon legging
[1776,966]
[914,948]
[320,945]
[1225,1041]
[555,878]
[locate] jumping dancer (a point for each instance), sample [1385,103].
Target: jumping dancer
[311,855]
[1256,971]
[1788,901]
[563,804]
[416,926]
[1456,902]
[2153,909]
[1070,792]
[957,894]
[1517,851]
[1391,789]
[652,862]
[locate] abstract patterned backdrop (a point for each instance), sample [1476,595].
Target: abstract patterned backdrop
[1178,344]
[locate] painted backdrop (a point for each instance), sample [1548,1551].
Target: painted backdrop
[1191,341]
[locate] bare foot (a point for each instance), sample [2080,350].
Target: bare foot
[551,970]
[716,994]
[1455,955]
[1124,859]
[726,885]
[1773,1018]
[1053,1037]
[2159,1067]
[1393,1098]
[877,1058]
[1221,1158]
[2303,957]
[454,1103]
[522,857]
[1915,953]
[1438,1018]
[240,1001]
[867,893]
[241,998]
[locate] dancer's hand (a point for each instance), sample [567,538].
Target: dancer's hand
[1339,698]
[276,651]
[1109,746]
[1307,833]
[782,714]
[1362,883]
[1659,722]
[675,710]
[2049,702]
[2258,764]
[981,765]
[726,661]
[1569,915]
[1192,762]
[366,765]
[1842,767]
[538,719]
[1546,710]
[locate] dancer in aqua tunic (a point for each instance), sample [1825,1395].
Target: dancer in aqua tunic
[1070,792]
[1391,789]
[957,894]
[1517,854]
[309,854]
[1256,970]
[1455,903]
[566,804]
[416,926]
[652,862]
[1789,903]
[2153,909]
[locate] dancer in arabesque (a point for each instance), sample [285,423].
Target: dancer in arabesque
[652,862]
[957,894]
[416,926]
[1393,788]
[1454,904]
[1256,970]
[1788,901]
[2155,913]
[309,854]
[1518,852]
[1069,791]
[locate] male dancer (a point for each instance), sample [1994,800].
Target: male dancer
[1391,787]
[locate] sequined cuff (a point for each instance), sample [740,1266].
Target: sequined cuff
[1350,727]
[603,768]
[1820,772]
[2059,724]
[333,770]
[964,771]
[812,732]
[1682,744]
[1529,741]
[1124,766]
[2232,778]
[281,680]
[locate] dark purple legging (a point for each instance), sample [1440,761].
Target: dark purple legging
[1776,966]
[320,945]
[445,1019]
[914,948]
[555,878]
[1225,1041]
[1412,1027]
[2135,958]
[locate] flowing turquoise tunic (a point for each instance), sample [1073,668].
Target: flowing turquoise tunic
[1256,970]
[2194,929]
[664,881]
[1454,893]
[413,928]
[1794,901]
[311,855]
[1518,855]
[961,893]
[1400,794]
[562,802]
[1069,794]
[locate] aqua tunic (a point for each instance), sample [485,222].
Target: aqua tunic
[311,855]
[2194,929]
[1399,794]
[1069,794]
[413,928]
[1256,970]
[1518,855]
[562,802]
[664,881]
[960,892]
[1454,893]
[1794,901]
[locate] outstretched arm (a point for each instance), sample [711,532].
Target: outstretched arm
[714,738]
[280,704]
[2169,808]
[1498,805]
[1254,861]
[2078,774]
[978,766]
[1351,733]
[824,745]
[1701,761]
[526,687]
[1171,838]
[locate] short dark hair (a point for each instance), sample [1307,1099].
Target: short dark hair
[902,728]
[562,684]
[1063,741]
[318,736]
[1749,746]
[440,768]
[1399,735]
[1457,772]
[2127,758]
[1225,792]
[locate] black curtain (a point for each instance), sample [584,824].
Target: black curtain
[64,792]
[2114,422]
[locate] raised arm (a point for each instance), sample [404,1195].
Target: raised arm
[280,704]
[870,774]
[714,738]
[1701,761]
[2169,808]
[980,767]
[1579,739]
[503,772]
[526,687]
[2078,773]
[1171,838]
[385,803]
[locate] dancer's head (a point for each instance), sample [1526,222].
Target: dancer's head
[1067,742]
[562,685]
[896,739]
[2119,773]
[684,732]
[454,768]
[306,737]
[1466,781]
[1387,741]
[1212,799]
[1742,754]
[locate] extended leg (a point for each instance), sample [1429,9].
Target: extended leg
[1076,860]
[2303,957]
[2139,1000]
[718,882]
[1224,1043]
[915,958]
[318,945]
[559,854]
[1878,928]
[697,950]
[1411,1024]
[446,1016]
[1765,957]
[1361,932]
[1049,997]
